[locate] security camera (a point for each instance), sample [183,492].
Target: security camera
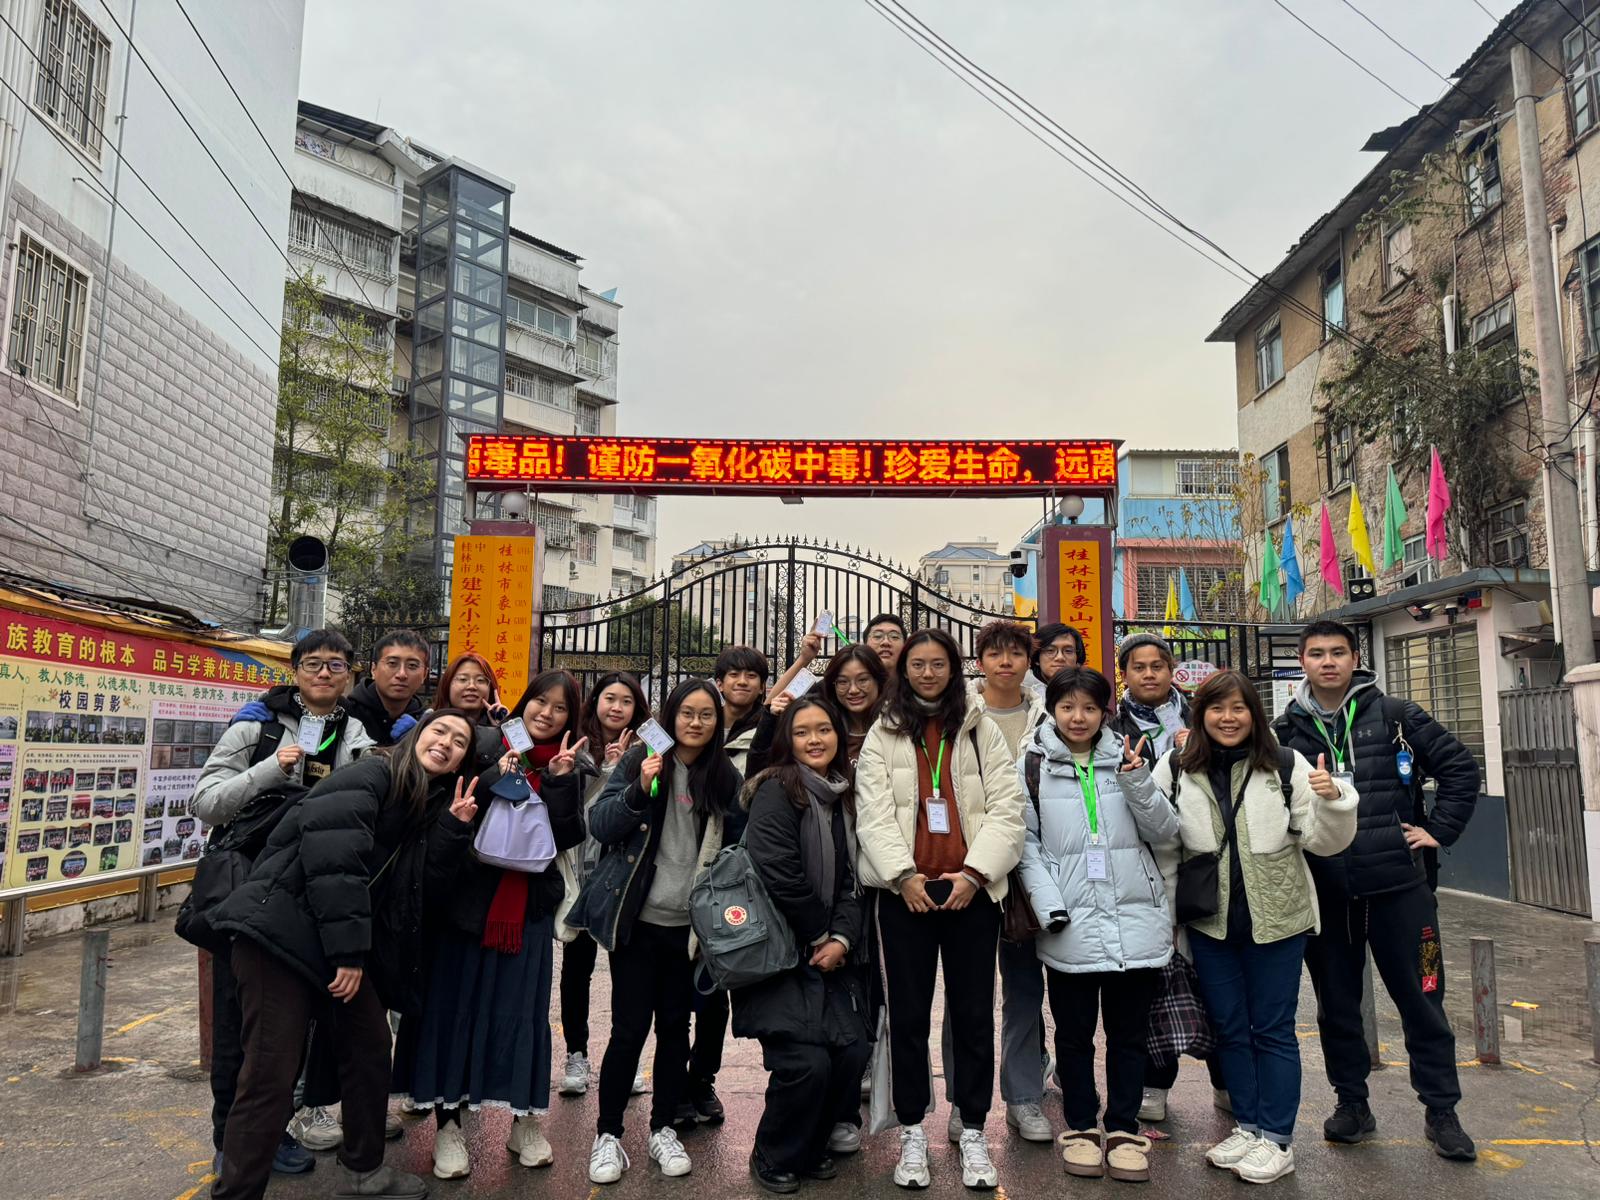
[1019,564]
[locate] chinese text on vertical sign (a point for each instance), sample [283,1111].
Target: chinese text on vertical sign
[491,606]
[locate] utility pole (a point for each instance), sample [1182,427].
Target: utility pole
[1569,575]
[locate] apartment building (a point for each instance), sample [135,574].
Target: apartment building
[139,293]
[491,327]
[973,572]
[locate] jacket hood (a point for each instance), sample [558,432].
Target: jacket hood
[281,699]
[364,698]
[1362,680]
[1047,739]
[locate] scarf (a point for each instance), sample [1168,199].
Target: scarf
[508,911]
[818,854]
[1150,714]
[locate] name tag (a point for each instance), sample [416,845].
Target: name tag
[1094,859]
[310,733]
[517,736]
[938,815]
[1345,777]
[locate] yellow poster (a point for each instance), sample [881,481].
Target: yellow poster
[1078,580]
[491,605]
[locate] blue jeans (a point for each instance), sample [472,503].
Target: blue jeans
[1250,993]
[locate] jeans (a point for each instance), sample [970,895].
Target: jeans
[1251,992]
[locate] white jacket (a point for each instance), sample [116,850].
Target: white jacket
[228,782]
[988,804]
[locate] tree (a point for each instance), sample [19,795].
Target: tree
[403,593]
[636,629]
[338,471]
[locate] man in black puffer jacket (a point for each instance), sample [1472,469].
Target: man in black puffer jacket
[1377,893]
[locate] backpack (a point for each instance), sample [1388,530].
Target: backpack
[231,850]
[743,937]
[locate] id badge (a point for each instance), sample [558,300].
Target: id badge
[1094,860]
[938,815]
[310,733]
[1345,777]
[516,734]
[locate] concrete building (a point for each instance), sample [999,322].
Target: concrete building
[1439,266]
[973,572]
[139,297]
[736,602]
[401,234]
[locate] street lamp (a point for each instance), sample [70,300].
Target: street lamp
[1071,507]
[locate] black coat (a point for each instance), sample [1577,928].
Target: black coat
[307,900]
[365,705]
[1378,860]
[408,902]
[803,1004]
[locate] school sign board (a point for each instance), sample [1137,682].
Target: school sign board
[1075,588]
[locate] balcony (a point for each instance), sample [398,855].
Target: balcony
[559,530]
[359,250]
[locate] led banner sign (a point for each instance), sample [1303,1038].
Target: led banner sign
[720,466]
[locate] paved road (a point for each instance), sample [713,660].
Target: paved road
[138,1130]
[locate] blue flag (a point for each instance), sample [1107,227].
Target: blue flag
[1293,583]
[1186,597]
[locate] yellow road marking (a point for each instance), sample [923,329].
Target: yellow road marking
[148,1017]
[1494,1156]
[1541,1142]
[195,1190]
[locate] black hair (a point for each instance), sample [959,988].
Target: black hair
[1327,628]
[589,723]
[903,714]
[868,662]
[741,658]
[408,782]
[783,767]
[410,639]
[329,640]
[544,682]
[1083,680]
[885,619]
[713,779]
[1000,635]
[1049,633]
[1195,757]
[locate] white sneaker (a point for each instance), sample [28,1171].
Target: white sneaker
[1030,1122]
[669,1153]
[1230,1152]
[607,1159]
[1154,1105]
[450,1153]
[316,1129]
[528,1142]
[575,1079]
[640,1085]
[1267,1161]
[845,1138]
[977,1170]
[912,1169]
[954,1128]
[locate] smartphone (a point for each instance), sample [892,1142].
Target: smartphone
[939,890]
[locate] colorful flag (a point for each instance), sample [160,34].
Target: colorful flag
[1271,590]
[1394,520]
[1294,583]
[1186,597]
[1171,613]
[1438,506]
[1356,527]
[1328,554]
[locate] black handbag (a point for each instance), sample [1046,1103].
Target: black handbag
[230,853]
[1198,894]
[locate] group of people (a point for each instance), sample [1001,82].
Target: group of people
[397,932]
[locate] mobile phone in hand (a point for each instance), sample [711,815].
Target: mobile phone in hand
[939,890]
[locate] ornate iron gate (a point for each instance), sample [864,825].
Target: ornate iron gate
[1544,798]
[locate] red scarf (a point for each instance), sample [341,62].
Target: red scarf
[508,911]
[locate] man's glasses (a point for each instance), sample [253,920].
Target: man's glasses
[880,636]
[316,666]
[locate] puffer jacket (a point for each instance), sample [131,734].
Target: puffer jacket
[803,1004]
[1272,838]
[1121,923]
[626,821]
[308,899]
[988,802]
[1378,860]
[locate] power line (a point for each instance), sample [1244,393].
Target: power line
[1340,51]
[1396,42]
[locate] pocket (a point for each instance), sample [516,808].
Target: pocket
[1280,871]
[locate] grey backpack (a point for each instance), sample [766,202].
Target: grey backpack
[743,937]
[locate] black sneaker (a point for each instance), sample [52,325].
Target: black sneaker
[1443,1129]
[1352,1122]
[684,1117]
[707,1107]
[823,1168]
[774,1180]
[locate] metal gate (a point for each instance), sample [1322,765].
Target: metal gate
[1544,799]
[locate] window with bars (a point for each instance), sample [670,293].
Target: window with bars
[557,524]
[1508,534]
[74,62]
[1218,591]
[1439,670]
[588,417]
[588,543]
[49,311]
[594,357]
[331,397]
[532,386]
[1341,455]
[1207,476]
[361,248]
[532,315]
[325,320]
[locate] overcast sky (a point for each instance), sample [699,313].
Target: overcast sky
[815,229]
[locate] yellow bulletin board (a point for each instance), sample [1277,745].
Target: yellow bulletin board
[492,596]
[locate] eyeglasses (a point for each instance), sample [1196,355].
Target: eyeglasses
[851,685]
[879,636]
[404,664]
[1059,652]
[472,680]
[697,718]
[316,666]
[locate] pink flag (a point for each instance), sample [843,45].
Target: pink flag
[1330,555]
[1438,505]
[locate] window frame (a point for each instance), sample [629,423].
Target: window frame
[1217,478]
[21,235]
[1579,74]
[1509,534]
[1426,569]
[97,84]
[1392,265]
[1501,329]
[1335,264]
[1481,175]
[1340,473]
[1282,476]
[1268,333]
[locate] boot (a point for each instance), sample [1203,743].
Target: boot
[385,1182]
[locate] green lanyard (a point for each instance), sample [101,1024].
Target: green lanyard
[1349,724]
[329,742]
[1091,802]
[936,768]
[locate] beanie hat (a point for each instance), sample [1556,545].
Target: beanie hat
[1133,642]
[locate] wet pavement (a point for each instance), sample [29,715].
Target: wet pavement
[139,1129]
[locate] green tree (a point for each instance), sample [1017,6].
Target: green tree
[636,629]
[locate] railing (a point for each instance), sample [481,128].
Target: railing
[363,251]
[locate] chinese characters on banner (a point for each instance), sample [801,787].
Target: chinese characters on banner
[837,468]
[1077,588]
[491,606]
[102,737]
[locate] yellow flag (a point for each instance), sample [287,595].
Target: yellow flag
[1172,613]
[1357,528]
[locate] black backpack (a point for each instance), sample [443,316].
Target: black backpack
[232,849]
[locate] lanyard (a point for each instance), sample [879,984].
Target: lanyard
[936,768]
[1349,724]
[329,741]
[1091,803]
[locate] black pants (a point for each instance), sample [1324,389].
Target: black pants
[914,945]
[651,977]
[577,969]
[807,1086]
[1123,998]
[1164,1075]
[277,1004]
[227,1044]
[1403,930]
[710,1032]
